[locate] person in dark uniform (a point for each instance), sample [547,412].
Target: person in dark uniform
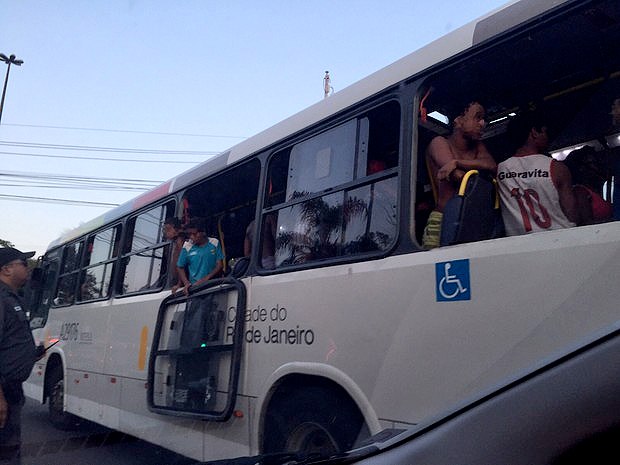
[17,351]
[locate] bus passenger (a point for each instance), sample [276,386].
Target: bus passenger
[268,260]
[173,232]
[536,191]
[204,259]
[588,178]
[449,158]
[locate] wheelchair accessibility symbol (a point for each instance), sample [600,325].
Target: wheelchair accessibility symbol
[452,281]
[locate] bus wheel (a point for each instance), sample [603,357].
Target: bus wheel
[313,420]
[57,415]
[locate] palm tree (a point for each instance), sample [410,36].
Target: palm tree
[321,228]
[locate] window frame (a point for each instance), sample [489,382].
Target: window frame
[168,208]
[358,181]
[111,260]
[63,273]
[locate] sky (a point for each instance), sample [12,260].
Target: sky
[115,96]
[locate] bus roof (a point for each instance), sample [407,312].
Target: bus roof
[472,34]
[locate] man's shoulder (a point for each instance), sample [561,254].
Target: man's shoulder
[6,296]
[5,291]
[210,243]
[525,158]
[438,142]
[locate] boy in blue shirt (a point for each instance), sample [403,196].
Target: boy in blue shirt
[204,259]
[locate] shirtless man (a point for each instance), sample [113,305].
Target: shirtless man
[449,158]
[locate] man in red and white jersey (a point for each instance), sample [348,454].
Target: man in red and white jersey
[536,191]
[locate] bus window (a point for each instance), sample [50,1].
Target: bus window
[67,280]
[573,97]
[41,294]
[227,206]
[322,162]
[96,277]
[356,164]
[145,258]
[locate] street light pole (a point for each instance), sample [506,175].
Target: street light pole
[9,61]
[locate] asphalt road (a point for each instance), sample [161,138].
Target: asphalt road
[89,444]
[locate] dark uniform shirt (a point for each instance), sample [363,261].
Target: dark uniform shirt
[17,348]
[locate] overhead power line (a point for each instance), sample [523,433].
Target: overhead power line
[51,181]
[69,176]
[65,187]
[218,136]
[75,157]
[24,198]
[105,149]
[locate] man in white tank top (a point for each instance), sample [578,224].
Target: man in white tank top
[535,190]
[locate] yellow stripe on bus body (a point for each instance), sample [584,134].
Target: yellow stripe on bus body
[144,334]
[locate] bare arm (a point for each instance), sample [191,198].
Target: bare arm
[247,241]
[442,156]
[483,161]
[219,266]
[564,184]
[583,205]
[183,280]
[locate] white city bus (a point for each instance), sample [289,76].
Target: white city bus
[347,328]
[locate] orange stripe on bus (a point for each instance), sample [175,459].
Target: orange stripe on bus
[142,354]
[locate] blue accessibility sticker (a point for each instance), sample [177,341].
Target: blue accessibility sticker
[452,281]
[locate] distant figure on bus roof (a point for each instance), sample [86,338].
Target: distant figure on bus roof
[205,259]
[449,158]
[536,191]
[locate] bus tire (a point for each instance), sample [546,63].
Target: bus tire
[313,420]
[59,418]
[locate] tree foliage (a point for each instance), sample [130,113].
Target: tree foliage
[4,243]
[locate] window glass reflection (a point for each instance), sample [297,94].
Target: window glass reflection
[143,271]
[371,217]
[65,290]
[95,282]
[71,258]
[147,229]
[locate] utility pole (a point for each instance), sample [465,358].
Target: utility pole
[9,61]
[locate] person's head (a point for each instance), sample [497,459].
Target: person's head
[471,122]
[529,129]
[585,167]
[14,270]
[196,231]
[172,228]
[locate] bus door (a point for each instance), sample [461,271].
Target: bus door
[196,352]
